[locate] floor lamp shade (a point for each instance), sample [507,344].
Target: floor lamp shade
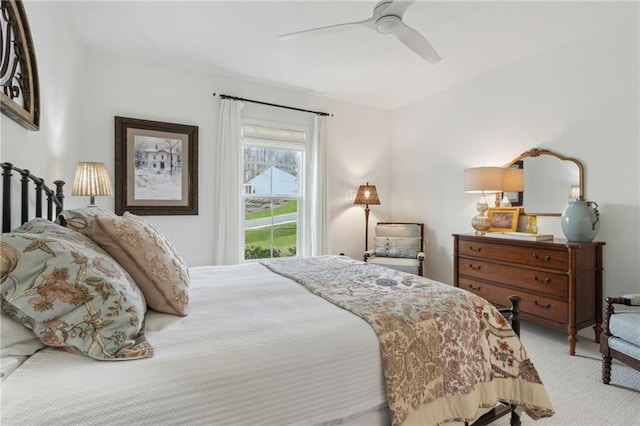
[367,194]
[91,179]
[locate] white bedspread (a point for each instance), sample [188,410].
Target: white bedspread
[256,348]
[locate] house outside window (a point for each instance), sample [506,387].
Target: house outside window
[273,164]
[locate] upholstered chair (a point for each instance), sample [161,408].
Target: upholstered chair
[621,339]
[398,245]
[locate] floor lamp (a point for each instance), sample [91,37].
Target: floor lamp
[366,195]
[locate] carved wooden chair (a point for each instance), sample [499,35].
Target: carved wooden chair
[621,339]
[398,245]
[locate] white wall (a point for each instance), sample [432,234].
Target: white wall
[52,151]
[82,91]
[580,99]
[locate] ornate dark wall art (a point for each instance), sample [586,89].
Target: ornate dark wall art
[20,94]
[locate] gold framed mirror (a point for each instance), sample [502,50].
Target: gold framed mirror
[549,178]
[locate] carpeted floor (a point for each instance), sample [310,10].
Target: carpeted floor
[574,383]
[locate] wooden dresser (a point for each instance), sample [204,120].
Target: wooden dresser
[560,282]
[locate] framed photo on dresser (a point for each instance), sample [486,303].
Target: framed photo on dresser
[503,219]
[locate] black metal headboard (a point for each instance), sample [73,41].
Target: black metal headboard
[53,197]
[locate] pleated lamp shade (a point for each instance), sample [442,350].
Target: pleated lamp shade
[574,192]
[367,194]
[91,179]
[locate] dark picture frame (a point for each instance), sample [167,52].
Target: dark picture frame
[156,167]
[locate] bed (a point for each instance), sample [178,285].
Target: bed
[324,340]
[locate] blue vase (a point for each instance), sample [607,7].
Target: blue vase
[580,221]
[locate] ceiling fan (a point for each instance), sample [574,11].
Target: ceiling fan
[386,19]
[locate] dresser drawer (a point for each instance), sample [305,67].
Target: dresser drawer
[496,295]
[540,306]
[533,280]
[540,256]
[543,307]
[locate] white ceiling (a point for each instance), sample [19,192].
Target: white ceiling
[240,38]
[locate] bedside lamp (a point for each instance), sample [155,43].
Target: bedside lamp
[513,182]
[91,179]
[366,195]
[481,180]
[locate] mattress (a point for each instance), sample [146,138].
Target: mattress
[255,348]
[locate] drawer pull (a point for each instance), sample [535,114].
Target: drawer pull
[476,249]
[475,288]
[543,281]
[541,259]
[475,268]
[540,305]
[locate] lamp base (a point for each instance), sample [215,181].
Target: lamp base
[481,223]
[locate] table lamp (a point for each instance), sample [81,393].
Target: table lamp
[483,180]
[91,179]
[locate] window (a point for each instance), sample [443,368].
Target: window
[273,196]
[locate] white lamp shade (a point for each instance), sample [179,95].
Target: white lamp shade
[513,180]
[574,192]
[91,179]
[483,179]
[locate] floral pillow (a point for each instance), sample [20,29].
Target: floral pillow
[40,225]
[83,220]
[149,257]
[72,295]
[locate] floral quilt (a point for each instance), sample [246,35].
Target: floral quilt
[446,352]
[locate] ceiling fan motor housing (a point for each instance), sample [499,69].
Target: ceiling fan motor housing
[388,24]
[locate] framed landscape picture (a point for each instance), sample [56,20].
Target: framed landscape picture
[503,219]
[156,167]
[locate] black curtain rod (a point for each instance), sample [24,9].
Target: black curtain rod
[235,98]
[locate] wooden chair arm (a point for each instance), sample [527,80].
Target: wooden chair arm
[627,300]
[369,254]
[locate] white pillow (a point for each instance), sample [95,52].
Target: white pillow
[18,343]
[397,247]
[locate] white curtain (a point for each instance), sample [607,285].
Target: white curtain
[227,237]
[319,217]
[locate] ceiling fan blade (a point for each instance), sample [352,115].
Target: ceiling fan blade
[398,7]
[416,42]
[332,29]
